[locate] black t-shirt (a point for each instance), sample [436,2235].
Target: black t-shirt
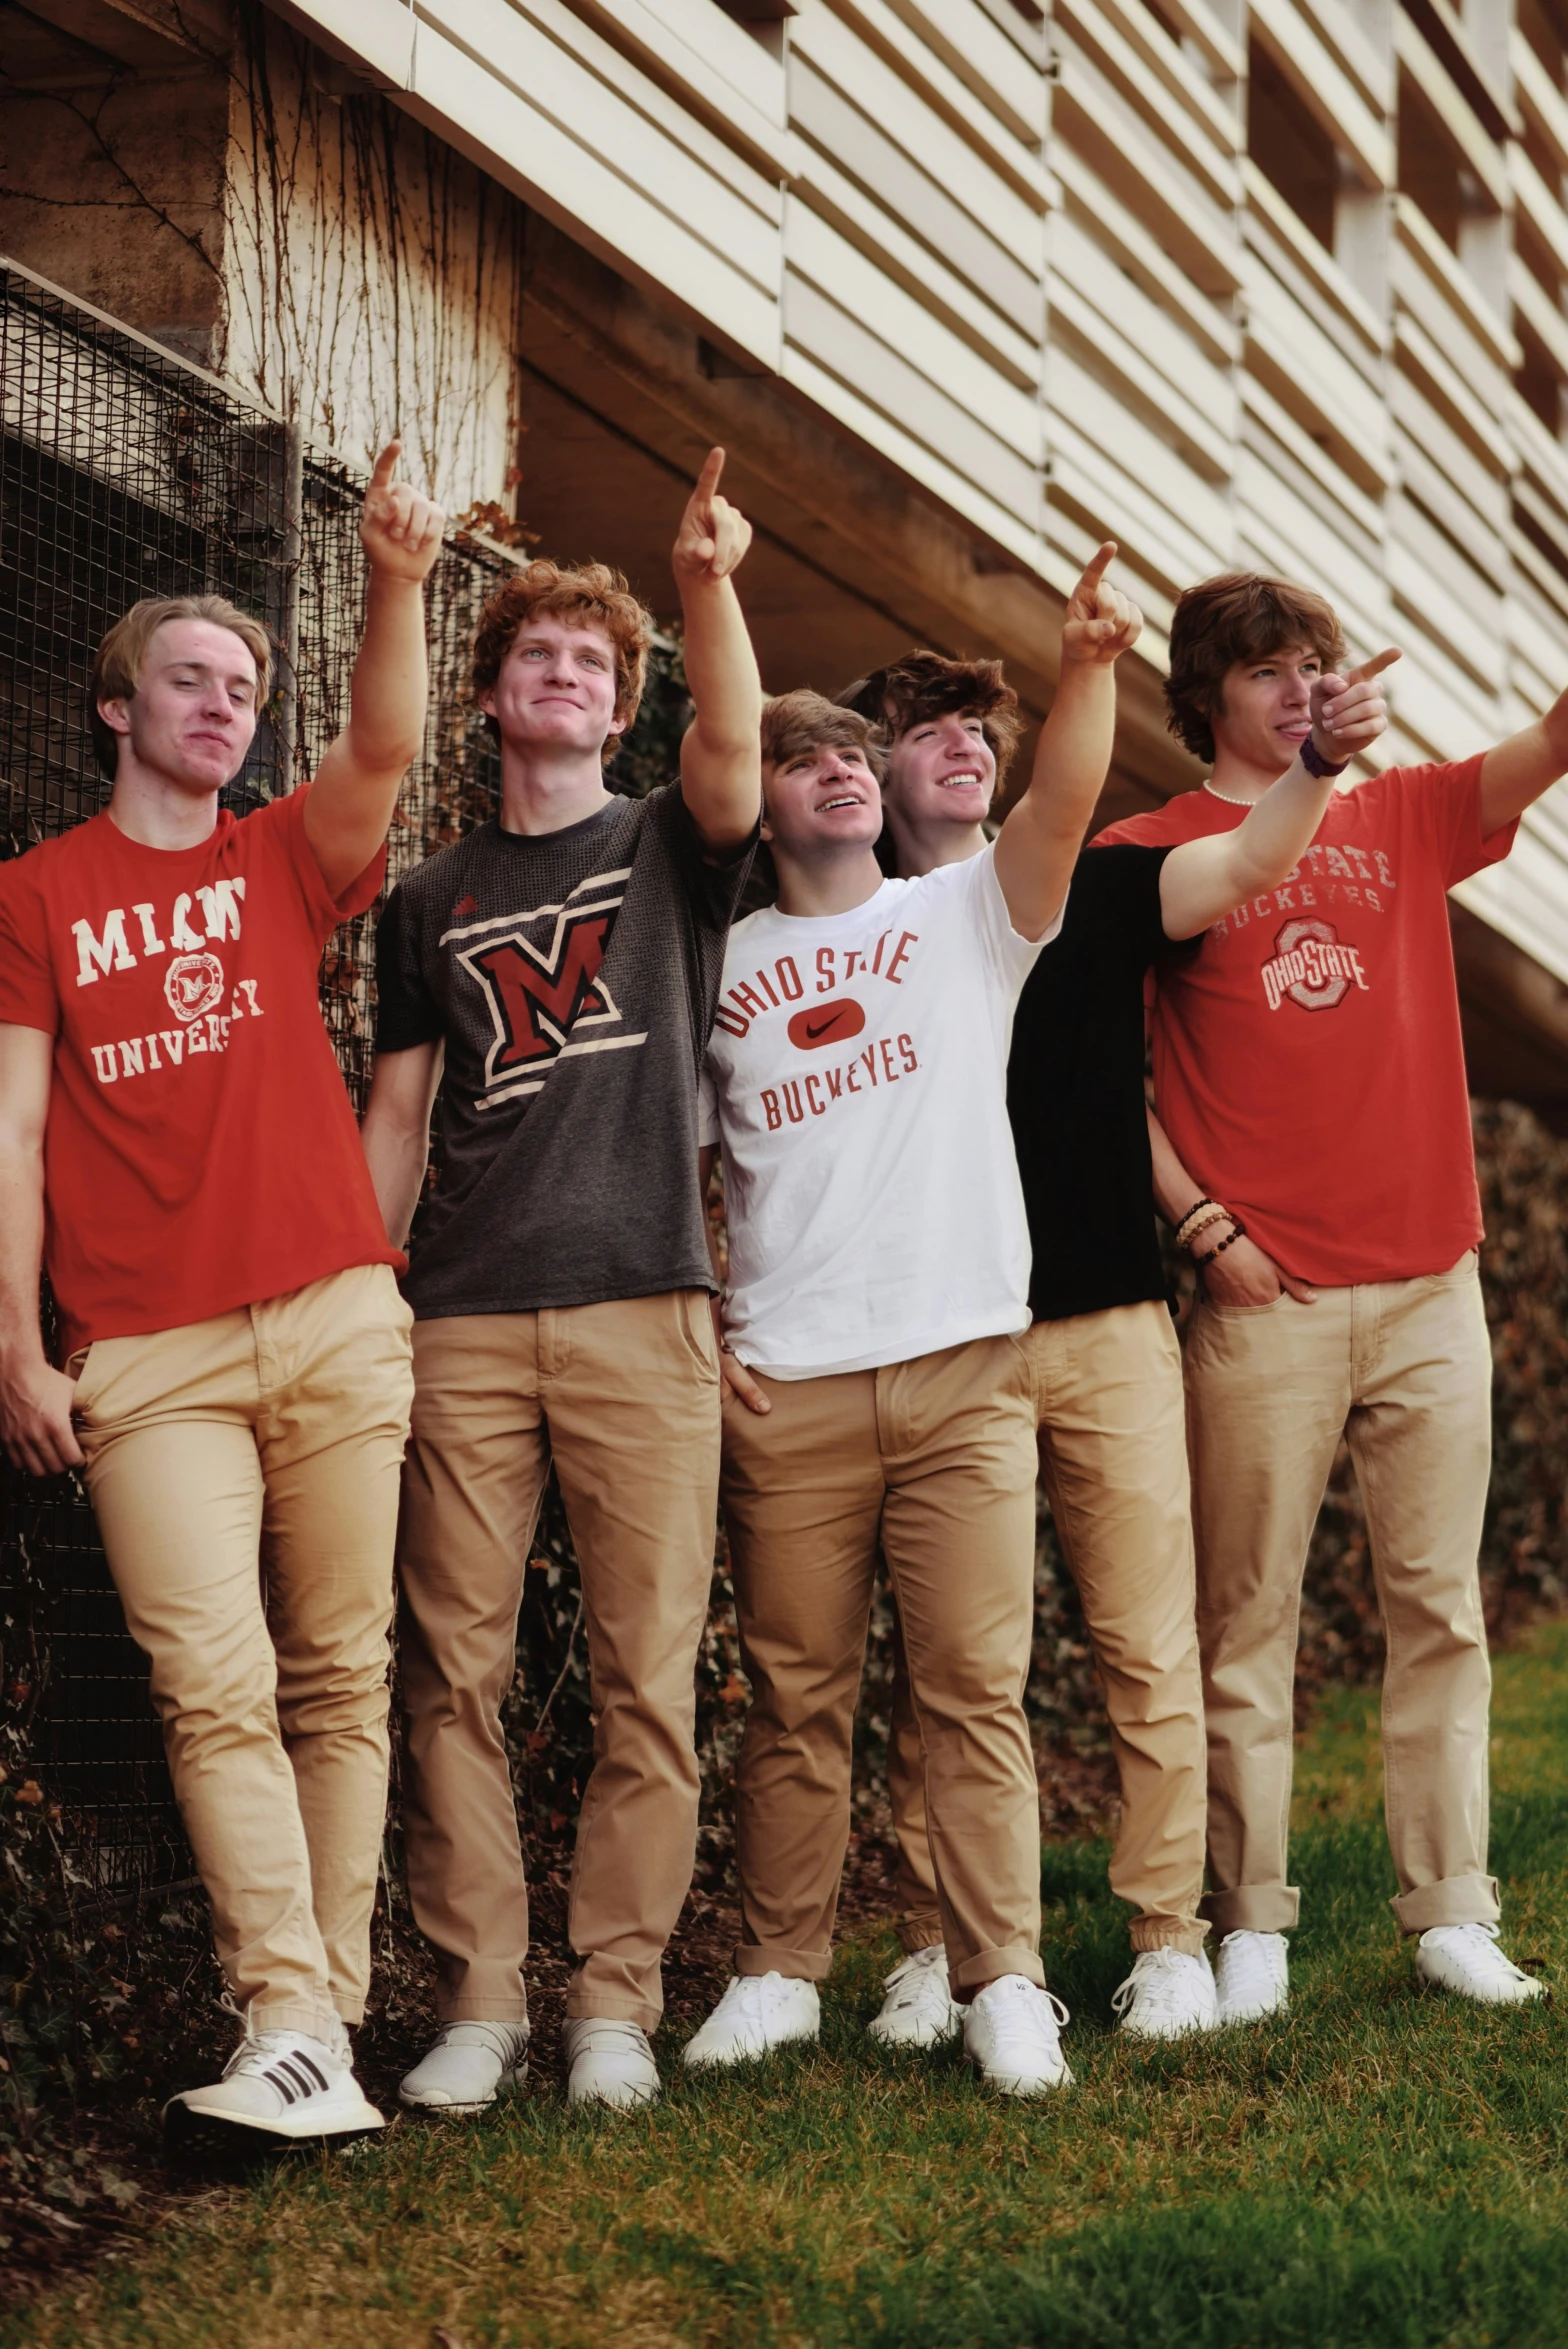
[1075,1092]
[573,976]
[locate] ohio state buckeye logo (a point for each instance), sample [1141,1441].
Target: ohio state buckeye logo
[1310,967]
[193,983]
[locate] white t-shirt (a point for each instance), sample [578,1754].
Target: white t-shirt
[857,1080]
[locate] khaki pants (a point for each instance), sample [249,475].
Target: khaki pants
[624,1397]
[1113,1452]
[244,1472]
[1403,1368]
[935,1456]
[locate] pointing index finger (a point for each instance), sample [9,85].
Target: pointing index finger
[1097,566]
[1374,667]
[386,465]
[708,478]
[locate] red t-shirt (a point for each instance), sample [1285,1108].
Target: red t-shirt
[200,1152]
[1307,1059]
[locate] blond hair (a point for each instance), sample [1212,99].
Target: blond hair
[120,659]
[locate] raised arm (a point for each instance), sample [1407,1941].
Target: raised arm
[1039,843]
[1202,879]
[357,783]
[35,1399]
[396,1131]
[1516,772]
[721,757]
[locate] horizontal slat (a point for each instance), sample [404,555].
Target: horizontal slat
[1091,116]
[1102,216]
[872,25]
[1010,280]
[889,248]
[606,205]
[911,120]
[1204,441]
[1452,107]
[883,379]
[839,398]
[814,250]
[1296,45]
[974,48]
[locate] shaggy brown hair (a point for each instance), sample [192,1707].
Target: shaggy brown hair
[585,595]
[920,686]
[803,721]
[1239,616]
[119,660]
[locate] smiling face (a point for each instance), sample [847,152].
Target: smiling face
[556,687]
[821,801]
[194,710]
[942,771]
[1263,713]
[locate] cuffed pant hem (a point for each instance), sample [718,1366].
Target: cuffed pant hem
[918,1932]
[1458,1900]
[294,2014]
[989,1965]
[1189,1939]
[583,2007]
[796,1965]
[1253,1908]
[481,2010]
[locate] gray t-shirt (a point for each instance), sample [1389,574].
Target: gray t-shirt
[573,977]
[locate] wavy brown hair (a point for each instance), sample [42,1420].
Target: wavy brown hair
[1240,616]
[585,595]
[920,686]
[794,723]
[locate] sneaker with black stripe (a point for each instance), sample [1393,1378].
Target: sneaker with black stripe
[285,2084]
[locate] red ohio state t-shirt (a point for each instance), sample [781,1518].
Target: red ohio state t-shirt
[200,1152]
[1307,1059]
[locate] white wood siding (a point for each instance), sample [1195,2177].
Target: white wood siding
[1039,269]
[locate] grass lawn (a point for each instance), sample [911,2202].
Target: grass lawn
[1388,2168]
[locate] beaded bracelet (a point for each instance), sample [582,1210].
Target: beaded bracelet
[1195,1231]
[1187,1218]
[1238,1233]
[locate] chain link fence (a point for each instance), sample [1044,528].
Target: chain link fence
[125,473]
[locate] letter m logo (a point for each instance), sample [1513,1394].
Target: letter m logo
[536,1002]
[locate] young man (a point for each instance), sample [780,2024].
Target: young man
[879,1266]
[177,1147]
[1106,1365]
[1309,1071]
[560,965]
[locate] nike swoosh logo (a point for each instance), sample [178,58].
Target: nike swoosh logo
[823,1026]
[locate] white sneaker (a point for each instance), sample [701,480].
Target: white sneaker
[1466,1960]
[758,2012]
[286,2083]
[1167,1994]
[1252,1977]
[1011,2037]
[609,2062]
[918,2010]
[470,2065]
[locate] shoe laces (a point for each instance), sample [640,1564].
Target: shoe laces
[1157,1980]
[754,1996]
[918,1966]
[603,2034]
[1018,2006]
[1249,1960]
[1480,1942]
[261,2053]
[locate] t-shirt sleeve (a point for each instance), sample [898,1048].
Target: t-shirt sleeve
[1009,956]
[286,815]
[407,1014]
[1446,803]
[28,998]
[712,883]
[708,1130]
